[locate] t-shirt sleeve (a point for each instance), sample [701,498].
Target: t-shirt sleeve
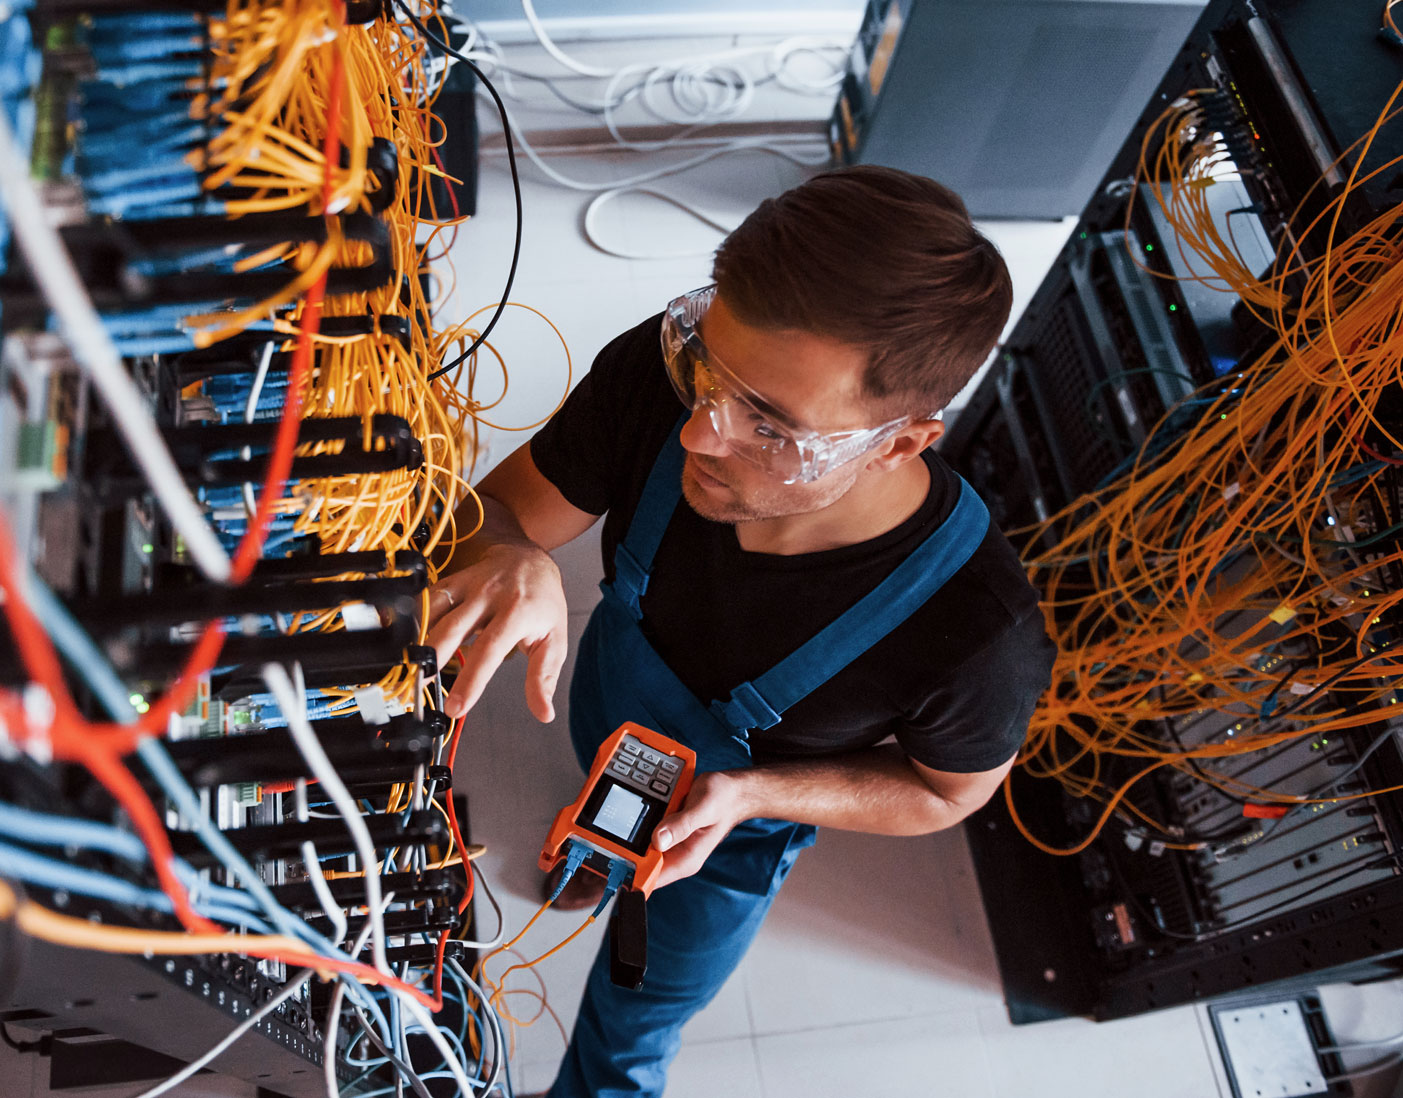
[588,446]
[976,716]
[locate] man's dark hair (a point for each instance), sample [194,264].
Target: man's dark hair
[877,258]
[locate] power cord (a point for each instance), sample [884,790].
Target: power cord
[22,1046]
[516,186]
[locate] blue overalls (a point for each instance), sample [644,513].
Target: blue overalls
[700,927]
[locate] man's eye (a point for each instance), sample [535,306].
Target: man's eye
[766,430]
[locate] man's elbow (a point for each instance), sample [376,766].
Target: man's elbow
[936,813]
[952,797]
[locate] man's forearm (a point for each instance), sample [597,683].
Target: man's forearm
[499,527]
[875,791]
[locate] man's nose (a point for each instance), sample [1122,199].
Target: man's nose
[699,434]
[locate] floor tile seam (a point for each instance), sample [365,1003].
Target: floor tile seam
[919,1015]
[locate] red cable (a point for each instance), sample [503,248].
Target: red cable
[467,865]
[73,739]
[1359,441]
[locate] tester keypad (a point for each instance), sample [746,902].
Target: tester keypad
[641,766]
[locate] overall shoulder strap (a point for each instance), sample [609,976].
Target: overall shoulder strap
[633,559]
[761,702]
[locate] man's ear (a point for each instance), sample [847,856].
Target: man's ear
[906,444]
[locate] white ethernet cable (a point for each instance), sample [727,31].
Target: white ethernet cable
[53,271]
[555,51]
[494,1023]
[280,686]
[312,860]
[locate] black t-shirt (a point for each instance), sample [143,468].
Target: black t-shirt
[955,683]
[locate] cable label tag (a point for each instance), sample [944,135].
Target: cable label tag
[1230,491]
[360,616]
[1282,614]
[371,703]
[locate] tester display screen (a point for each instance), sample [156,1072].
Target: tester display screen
[620,813]
[623,814]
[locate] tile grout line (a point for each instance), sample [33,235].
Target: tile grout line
[884,1020]
[1216,1067]
[759,1071]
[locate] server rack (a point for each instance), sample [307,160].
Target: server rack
[1097,374]
[971,92]
[109,105]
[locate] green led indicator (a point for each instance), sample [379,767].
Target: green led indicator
[1224,415]
[135,699]
[148,548]
[1083,236]
[1149,247]
[1173,308]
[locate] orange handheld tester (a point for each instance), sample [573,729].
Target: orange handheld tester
[638,779]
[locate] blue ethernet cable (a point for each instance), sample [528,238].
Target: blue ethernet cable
[144,22]
[46,830]
[25,865]
[110,50]
[79,648]
[122,77]
[41,829]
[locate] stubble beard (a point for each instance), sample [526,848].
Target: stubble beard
[779,502]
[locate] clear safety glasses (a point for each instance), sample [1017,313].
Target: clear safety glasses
[749,426]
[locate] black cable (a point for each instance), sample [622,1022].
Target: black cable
[1360,662]
[516,185]
[19,1046]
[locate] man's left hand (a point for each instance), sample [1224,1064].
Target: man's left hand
[715,804]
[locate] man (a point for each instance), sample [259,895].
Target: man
[828,585]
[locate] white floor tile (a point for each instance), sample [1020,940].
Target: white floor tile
[518,772]
[933,1056]
[868,928]
[1363,1012]
[660,280]
[552,247]
[1367,1013]
[538,371]
[725,1018]
[1160,1055]
[714,1069]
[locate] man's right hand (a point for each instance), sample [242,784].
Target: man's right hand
[510,597]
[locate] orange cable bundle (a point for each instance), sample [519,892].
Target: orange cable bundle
[1184,586]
